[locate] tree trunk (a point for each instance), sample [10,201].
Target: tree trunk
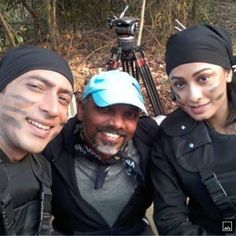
[52,23]
[34,16]
[141,23]
[7,30]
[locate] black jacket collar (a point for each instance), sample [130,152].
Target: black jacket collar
[178,123]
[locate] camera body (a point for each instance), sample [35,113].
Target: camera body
[125,28]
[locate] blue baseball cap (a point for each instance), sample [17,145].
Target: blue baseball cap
[115,87]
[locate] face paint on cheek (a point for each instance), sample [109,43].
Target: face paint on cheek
[214,88]
[219,97]
[13,109]
[22,99]
[177,96]
[11,121]
[174,95]
[9,115]
[178,99]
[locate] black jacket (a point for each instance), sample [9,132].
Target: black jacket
[181,154]
[72,213]
[40,216]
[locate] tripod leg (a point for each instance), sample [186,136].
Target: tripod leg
[124,66]
[135,63]
[113,62]
[154,90]
[132,66]
[146,75]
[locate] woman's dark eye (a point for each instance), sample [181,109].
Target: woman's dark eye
[178,85]
[203,78]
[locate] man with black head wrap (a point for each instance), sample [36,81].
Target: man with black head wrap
[36,87]
[194,156]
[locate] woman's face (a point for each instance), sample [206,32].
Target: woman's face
[200,90]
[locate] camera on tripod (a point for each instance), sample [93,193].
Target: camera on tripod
[125,28]
[132,56]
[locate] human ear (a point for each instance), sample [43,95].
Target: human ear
[229,76]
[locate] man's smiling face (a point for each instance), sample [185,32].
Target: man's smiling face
[107,129]
[33,110]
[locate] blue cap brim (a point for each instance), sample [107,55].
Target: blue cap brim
[115,87]
[104,98]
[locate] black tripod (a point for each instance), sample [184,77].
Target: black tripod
[133,61]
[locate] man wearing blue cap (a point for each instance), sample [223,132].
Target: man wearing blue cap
[101,161]
[36,87]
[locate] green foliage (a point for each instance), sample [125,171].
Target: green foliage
[16,17]
[159,15]
[26,19]
[84,14]
[19,39]
[80,15]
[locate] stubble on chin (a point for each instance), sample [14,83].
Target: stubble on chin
[105,147]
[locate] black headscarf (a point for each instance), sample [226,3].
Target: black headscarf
[20,60]
[201,43]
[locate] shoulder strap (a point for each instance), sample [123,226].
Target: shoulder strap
[42,171]
[45,210]
[218,194]
[6,205]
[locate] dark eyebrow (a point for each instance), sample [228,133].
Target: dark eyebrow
[176,77]
[198,72]
[194,74]
[49,84]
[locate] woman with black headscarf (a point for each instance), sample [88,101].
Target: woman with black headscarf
[194,170]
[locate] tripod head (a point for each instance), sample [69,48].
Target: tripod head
[125,28]
[132,57]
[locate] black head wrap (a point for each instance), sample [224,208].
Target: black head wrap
[202,43]
[20,60]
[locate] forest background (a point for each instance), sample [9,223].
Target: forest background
[79,31]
